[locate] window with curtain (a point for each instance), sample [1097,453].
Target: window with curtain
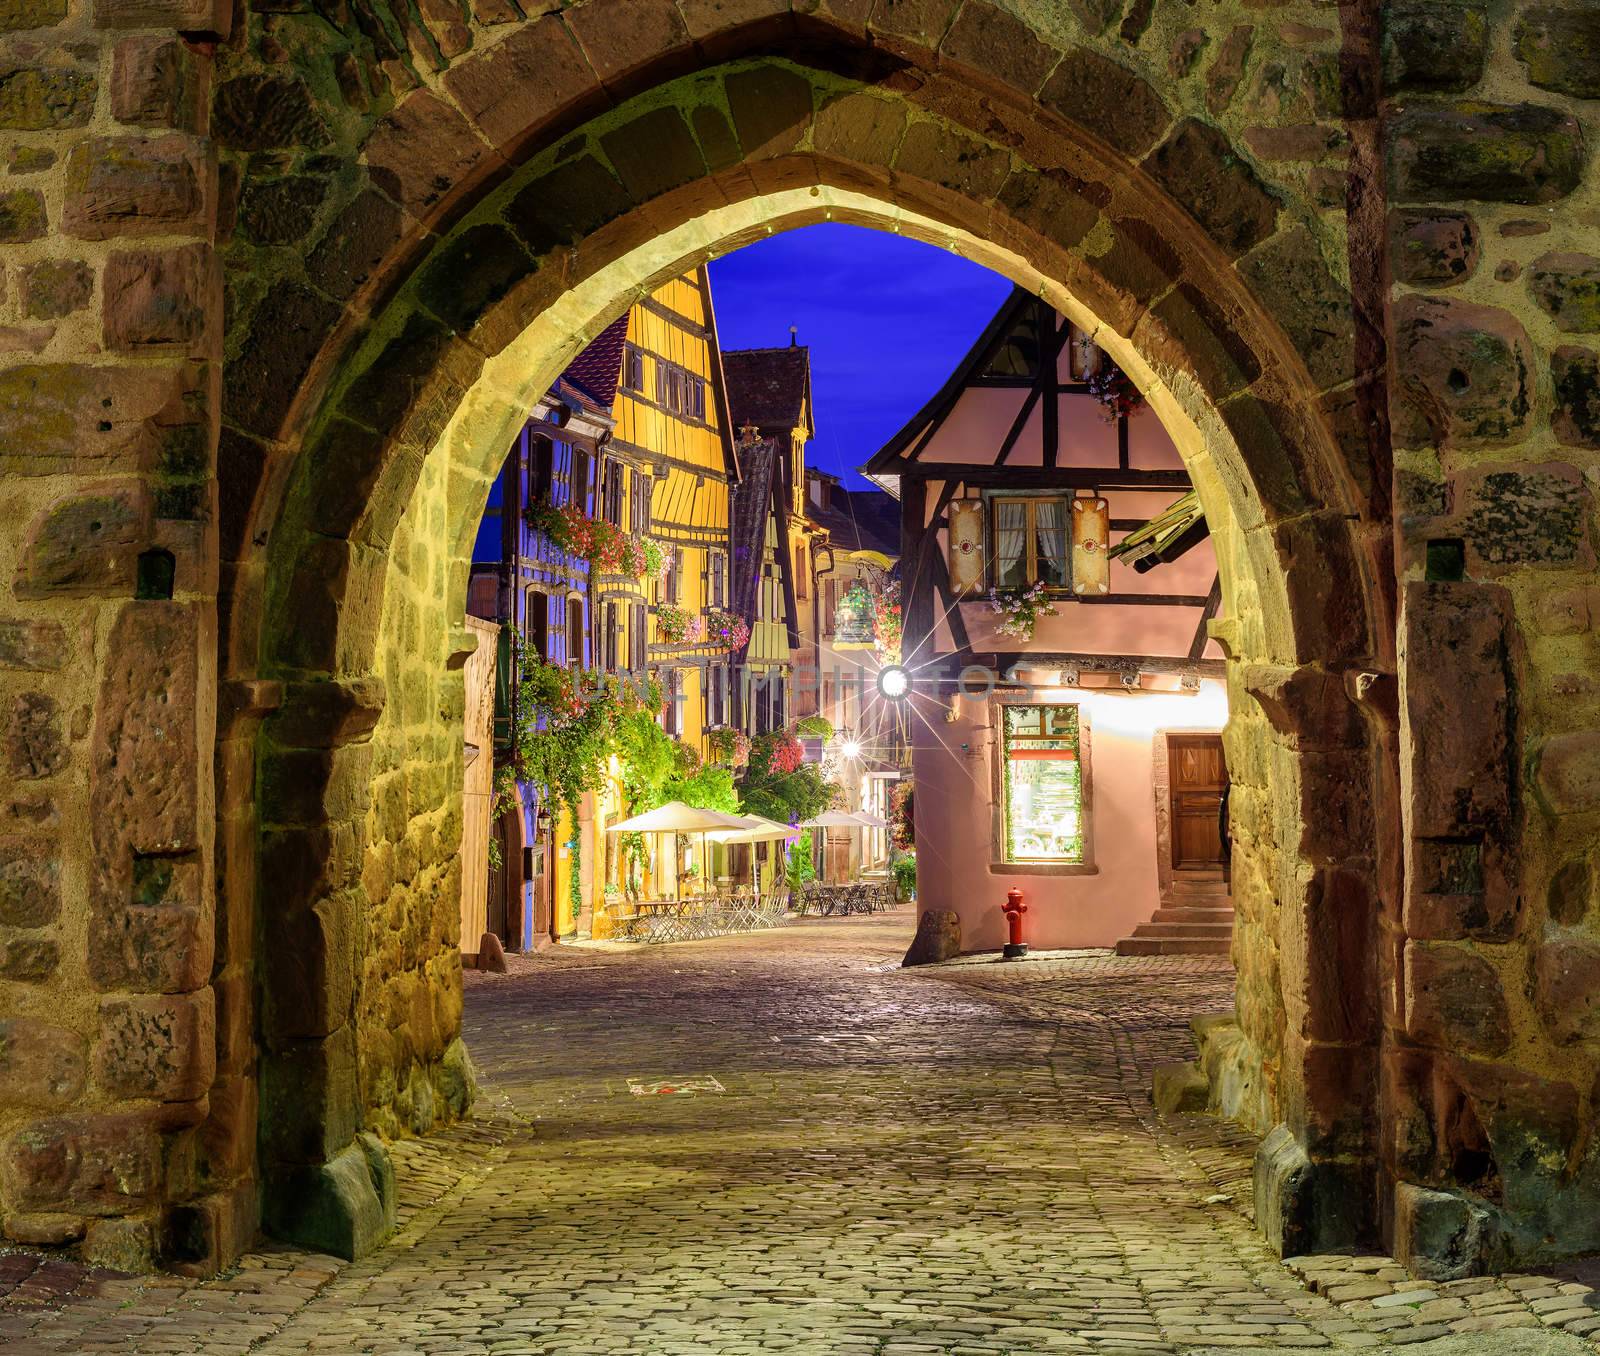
[1030,543]
[1042,804]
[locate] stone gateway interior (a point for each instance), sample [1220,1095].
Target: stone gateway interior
[282,282]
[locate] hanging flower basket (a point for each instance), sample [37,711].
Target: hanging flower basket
[1115,391]
[1020,609]
[726,630]
[852,616]
[607,548]
[678,626]
[814,727]
[887,623]
[729,746]
[783,752]
[657,559]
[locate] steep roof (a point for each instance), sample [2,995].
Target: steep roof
[597,370]
[769,387]
[859,520]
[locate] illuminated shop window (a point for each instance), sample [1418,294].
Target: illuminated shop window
[1043,805]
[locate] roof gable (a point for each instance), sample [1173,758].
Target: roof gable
[770,387]
[597,370]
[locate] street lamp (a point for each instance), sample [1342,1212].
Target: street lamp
[894,682]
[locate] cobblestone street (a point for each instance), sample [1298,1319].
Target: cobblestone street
[853,1158]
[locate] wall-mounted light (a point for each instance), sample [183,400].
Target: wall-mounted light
[851,748]
[893,682]
[1130,680]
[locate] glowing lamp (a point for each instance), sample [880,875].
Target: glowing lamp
[894,682]
[850,748]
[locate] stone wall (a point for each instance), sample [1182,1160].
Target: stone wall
[411,1062]
[126,1116]
[276,277]
[1491,967]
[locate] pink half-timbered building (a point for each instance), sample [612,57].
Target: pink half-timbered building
[1054,554]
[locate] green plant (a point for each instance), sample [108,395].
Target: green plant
[798,868]
[787,797]
[567,728]
[905,875]
[814,727]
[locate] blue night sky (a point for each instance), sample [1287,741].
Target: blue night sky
[886,318]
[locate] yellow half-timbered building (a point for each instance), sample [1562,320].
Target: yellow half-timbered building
[671,418]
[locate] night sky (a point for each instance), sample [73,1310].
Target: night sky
[886,318]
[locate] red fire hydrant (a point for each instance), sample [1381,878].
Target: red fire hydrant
[1013,909]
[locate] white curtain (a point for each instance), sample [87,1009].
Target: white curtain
[1050,528]
[1011,544]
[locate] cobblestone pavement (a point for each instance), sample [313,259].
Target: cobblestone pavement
[854,1159]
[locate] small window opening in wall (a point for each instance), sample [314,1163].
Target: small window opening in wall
[156,573]
[1043,801]
[1457,381]
[1447,559]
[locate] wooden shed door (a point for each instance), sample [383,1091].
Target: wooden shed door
[1198,774]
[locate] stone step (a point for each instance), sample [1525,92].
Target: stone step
[1174,946]
[1207,888]
[1154,929]
[1192,913]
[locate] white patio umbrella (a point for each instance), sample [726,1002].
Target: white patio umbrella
[758,829]
[676,817]
[833,819]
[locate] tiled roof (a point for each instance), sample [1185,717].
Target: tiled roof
[597,370]
[859,520]
[768,387]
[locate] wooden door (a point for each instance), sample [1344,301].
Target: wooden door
[499,884]
[1198,776]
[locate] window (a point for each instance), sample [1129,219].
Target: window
[611,492]
[639,504]
[632,368]
[680,391]
[610,638]
[536,623]
[716,697]
[717,569]
[575,633]
[800,575]
[580,478]
[636,638]
[671,689]
[1042,804]
[1030,542]
[541,471]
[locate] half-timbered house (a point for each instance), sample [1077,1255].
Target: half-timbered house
[1067,702]
[559,607]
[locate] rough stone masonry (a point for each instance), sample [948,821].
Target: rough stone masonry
[274,276]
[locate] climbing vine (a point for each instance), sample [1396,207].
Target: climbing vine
[568,726]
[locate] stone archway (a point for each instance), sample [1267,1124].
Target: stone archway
[396,198]
[378,505]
